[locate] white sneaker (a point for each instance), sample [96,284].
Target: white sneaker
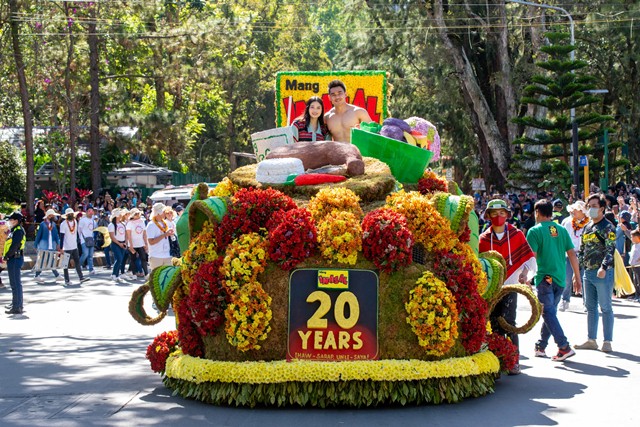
[114,278]
[564,305]
[59,279]
[92,272]
[39,279]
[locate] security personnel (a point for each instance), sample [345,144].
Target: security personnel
[13,253]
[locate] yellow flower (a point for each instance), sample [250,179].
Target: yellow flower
[198,370]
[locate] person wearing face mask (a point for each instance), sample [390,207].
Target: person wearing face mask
[574,224]
[512,245]
[596,258]
[13,253]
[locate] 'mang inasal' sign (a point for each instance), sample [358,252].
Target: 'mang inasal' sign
[333,315]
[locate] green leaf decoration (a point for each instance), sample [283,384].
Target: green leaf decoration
[536,308]
[163,283]
[136,308]
[325,394]
[210,210]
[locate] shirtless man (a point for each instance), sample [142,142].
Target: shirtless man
[342,117]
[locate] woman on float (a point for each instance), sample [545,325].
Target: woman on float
[311,126]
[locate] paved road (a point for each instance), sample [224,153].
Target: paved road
[76,358]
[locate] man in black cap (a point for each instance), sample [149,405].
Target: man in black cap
[13,253]
[558,216]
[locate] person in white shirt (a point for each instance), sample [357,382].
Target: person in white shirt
[159,233]
[48,239]
[69,239]
[118,234]
[137,242]
[574,224]
[86,224]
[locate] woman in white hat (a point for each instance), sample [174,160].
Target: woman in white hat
[69,243]
[117,232]
[48,239]
[137,242]
[574,223]
[159,231]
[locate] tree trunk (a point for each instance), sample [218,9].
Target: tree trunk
[94,113]
[27,115]
[485,121]
[71,113]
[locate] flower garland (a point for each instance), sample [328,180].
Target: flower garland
[201,249]
[200,371]
[579,224]
[334,199]
[340,237]
[248,316]
[244,259]
[426,224]
[293,239]
[249,211]
[504,349]
[433,315]
[207,298]
[386,240]
[225,188]
[431,182]
[160,349]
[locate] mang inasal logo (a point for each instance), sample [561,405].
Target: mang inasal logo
[333,279]
[366,89]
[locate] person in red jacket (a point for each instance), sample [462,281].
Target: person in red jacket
[520,259]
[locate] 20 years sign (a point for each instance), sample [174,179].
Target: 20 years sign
[333,315]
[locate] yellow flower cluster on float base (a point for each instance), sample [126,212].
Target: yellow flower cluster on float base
[225,188]
[433,314]
[429,228]
[248,316]
[244,259]
[331,199]
[201,249]
[340,237]
[198,370]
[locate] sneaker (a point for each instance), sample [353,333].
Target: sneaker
[59,279]
[92,272]
[14,311]
[564,305]
[606,347]
[113,278]
[67,283]
[588,345]
[515,370]
[540,352]
[84,279]
[563,354]
[39,280]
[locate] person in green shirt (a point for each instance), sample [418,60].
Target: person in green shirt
[550,242]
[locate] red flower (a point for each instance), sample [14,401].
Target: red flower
[387,241]
[249,211]
[505,351]
[430,183]
[207,298]
[292,237]
[158,351]
[460,279]
[190,340]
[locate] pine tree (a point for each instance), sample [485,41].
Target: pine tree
[559,89]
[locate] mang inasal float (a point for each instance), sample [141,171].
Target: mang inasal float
[307,299]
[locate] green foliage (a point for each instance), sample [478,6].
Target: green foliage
[12,173]
[559,90]
[325,394]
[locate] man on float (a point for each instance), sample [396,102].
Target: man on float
[512,245]
[343,116]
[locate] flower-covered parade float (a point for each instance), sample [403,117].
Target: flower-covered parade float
[357,293]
